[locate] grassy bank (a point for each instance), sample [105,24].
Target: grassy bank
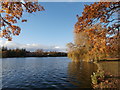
[110,59]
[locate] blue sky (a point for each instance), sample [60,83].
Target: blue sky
[53,27]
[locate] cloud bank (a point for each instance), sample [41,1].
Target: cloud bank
[31,47]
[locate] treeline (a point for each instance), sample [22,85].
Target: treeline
[5,52]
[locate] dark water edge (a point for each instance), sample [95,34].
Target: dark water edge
[47,72]
[105,60]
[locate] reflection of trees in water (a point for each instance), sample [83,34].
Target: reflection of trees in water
[110,67]
[79,73]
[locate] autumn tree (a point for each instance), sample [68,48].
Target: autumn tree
[12,12]
[97,41]
[100,23]
[105,13]
[78,50]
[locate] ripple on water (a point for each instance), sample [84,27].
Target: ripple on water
[44,73]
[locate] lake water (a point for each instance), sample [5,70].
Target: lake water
[46,72]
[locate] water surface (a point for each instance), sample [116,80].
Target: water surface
[111,67]
[46,72]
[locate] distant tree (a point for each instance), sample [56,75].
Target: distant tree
[4,48]
[11,12]
[39,51]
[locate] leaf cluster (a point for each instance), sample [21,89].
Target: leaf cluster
[11,13]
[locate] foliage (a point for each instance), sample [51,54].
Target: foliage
[99,75]
[101,80]
[77,52]
[105,13]
[89,50]
[24,53]
[98,31]
[12,12]
[13,52]
[102,12]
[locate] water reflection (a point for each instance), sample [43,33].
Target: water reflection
[51,72]
[80,72]
[110,67]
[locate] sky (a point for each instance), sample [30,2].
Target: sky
[49,29]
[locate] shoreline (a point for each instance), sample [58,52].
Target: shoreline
[33,56]
[102,79]
[110,59]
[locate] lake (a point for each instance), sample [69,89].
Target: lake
[46,72]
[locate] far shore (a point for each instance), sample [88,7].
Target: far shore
[33,56]
[110,59]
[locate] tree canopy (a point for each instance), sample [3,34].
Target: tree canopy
[100,23]
[104,12]
[12,12]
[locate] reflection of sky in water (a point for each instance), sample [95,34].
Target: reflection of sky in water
[46,72]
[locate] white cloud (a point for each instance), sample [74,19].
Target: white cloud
[31,47]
